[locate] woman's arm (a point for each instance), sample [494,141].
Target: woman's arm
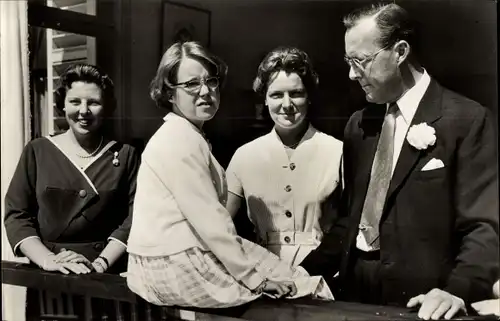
[109,255]
[234,184]
[21,222]
[184,171]
[332,205]
[21,204]
[325,259]
[122,232]
[118,239]
[38,253]
[233,204]
[35,251]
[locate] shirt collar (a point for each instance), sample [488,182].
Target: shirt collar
[408,103]
[308,134]
[173,116]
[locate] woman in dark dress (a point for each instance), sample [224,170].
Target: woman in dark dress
[68,207]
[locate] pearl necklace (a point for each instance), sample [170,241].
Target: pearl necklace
[94,152]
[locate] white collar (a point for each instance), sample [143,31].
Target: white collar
[173,116]
[308,134]
[408,103]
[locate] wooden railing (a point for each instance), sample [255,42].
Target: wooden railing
[114,288]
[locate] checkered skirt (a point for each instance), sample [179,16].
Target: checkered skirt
[197,278]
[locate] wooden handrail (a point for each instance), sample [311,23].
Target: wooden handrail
[113,287]
[104,286]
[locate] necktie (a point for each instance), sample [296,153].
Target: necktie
[380,179]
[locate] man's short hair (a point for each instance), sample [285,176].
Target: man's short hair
[393,21]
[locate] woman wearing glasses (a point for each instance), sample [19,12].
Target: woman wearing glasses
[290,178]
[183,246]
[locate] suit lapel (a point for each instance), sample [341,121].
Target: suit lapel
[428,111]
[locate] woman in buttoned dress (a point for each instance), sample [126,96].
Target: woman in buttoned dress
[290,177]
[68,207]
[183,247]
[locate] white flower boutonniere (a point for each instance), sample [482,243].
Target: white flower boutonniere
[421,136]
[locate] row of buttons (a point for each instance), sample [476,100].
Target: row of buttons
[288,188]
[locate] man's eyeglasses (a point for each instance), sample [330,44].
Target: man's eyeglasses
[195,85]
[360,64]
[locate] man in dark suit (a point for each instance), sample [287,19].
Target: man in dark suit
[420,223]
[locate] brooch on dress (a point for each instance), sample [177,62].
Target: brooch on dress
[116,161]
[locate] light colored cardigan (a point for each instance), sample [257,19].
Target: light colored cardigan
[180,198]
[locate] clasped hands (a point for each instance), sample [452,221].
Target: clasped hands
[67,261]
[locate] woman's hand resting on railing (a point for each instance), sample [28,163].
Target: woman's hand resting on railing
[50,263]
[278,289]
[100,264]
[68,256]
[39,254]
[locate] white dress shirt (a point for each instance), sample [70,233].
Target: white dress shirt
[407,107]
[284,195]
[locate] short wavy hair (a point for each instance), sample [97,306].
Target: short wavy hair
[393,21]
[166,76]
[289,59]
[88,74]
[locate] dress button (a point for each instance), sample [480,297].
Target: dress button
[288,188]
[82,193]
[98,247]
[288,214]
[287,239]
[292,166]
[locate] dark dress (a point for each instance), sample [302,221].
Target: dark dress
[50,197]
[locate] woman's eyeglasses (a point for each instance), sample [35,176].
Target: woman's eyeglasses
[195,85]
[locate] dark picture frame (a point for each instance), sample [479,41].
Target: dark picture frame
[181,22]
